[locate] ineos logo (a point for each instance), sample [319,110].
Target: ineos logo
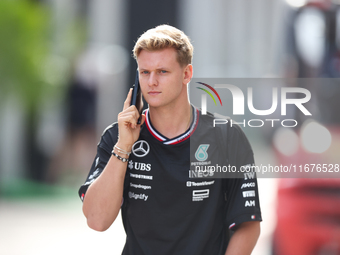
[140,148]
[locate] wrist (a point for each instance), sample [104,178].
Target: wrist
[121,151]
[123,147]
[120,154]
[123,159]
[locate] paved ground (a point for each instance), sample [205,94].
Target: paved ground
[40,227]
[57,226]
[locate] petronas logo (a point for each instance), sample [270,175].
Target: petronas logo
[201,153]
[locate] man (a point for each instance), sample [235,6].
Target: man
[164,210]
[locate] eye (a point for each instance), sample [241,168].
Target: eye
[144,72]
[163,71]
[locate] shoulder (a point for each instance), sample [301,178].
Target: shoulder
[225,126]
[236,131]
[239,142]
[112,128]
[109,135]
[221,124]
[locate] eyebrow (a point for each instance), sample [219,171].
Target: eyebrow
[158,68]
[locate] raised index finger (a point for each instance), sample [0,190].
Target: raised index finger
[128,100]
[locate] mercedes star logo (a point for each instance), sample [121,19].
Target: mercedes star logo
[140,148]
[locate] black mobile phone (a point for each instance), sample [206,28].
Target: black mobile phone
[136,99]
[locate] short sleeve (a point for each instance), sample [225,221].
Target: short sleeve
[241,193]
[104,148]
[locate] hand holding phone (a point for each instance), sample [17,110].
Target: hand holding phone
[136,99]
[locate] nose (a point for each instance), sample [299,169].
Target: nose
[152,79]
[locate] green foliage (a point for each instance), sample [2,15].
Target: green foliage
[23,49]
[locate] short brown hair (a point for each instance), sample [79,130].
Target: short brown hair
[165,36]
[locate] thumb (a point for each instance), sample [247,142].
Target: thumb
[142,120]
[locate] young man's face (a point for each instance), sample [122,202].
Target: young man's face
[162,79]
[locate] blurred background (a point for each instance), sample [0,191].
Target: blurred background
[66,67]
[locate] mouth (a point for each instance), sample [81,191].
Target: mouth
[154,93]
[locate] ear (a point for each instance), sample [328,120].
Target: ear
[188,72]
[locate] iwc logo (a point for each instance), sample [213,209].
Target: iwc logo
[201,153]
[140,148]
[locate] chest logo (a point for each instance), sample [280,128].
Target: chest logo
[140,148]
[201,153]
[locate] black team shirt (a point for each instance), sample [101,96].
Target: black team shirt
[171,204]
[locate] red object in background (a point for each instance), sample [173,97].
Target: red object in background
[308,217]
[308,209]
[321,4]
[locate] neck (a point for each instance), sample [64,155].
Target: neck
[171,121]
